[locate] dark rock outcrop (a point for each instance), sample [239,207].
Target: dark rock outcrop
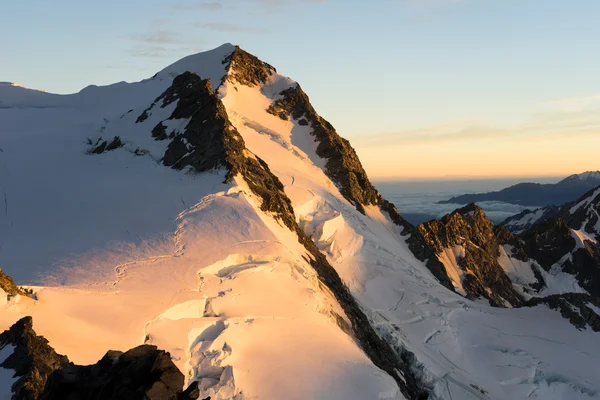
[33,360]
[103,146]
[142,373]
[469,228]
[548,242]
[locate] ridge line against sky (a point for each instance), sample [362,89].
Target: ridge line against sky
[422,88]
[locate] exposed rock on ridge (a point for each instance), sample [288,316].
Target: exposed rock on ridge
[343,166]
[246,68]
[8,285]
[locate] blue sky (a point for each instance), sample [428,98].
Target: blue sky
[420,87]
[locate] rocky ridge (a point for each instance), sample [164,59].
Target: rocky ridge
[210,141]
[470,229]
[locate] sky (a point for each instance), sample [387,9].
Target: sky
[421,88]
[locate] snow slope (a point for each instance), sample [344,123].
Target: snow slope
[124,251]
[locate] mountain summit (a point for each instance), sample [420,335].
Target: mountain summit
[208,217]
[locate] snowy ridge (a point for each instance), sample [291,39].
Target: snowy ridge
[588,175]
[142,253]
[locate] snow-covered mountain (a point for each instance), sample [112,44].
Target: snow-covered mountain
[211,212]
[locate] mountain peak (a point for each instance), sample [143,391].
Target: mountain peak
[470,209]
[584,176]
[207,64]
[246,68]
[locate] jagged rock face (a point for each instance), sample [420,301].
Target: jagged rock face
[33,360]
[470,229]
[208,136]
[140,373]
[424,250]
[143,372]
[573,306]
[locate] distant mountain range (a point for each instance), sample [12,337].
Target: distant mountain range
[536,194]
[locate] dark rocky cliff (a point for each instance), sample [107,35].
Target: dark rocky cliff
[142,373]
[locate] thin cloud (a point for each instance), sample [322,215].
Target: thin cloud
[150,51]
[161,51]
[211,6]
[161,21]
[226,27]
[162,44]
[574,104]
[159,37]
[547,126]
